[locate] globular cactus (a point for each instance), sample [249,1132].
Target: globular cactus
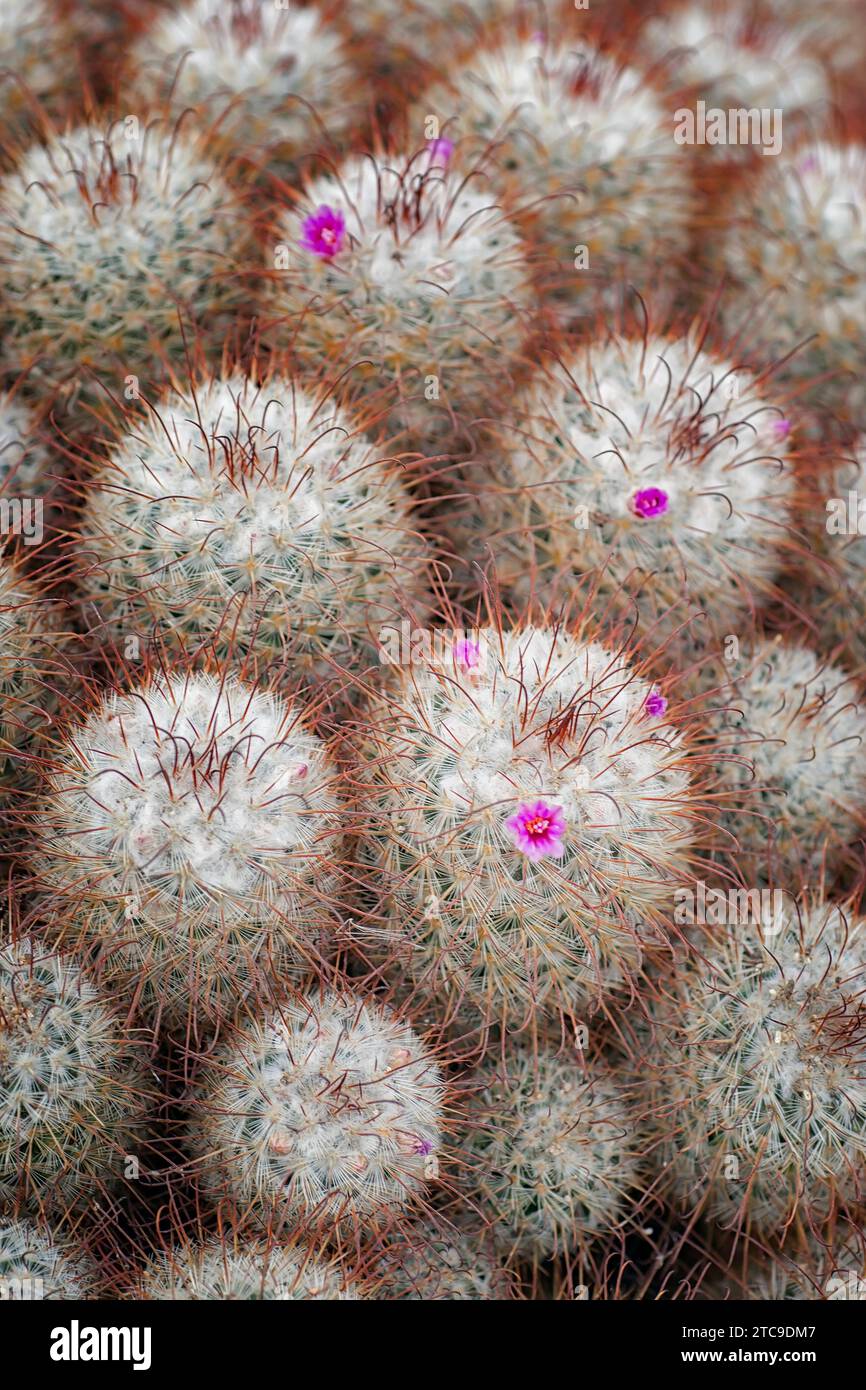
[36,1264]
[581,142]
[526,808]
[652,468]
[757,1071]
[795,251]
[433,1262]
[35,67]
[74,1087]
[328,1109]
[408,40]
[407,273]
[551,1151]
[792,777]
[271,79]
[720,54]
[113,242]
[244,1268]
[191,827]
[261,514]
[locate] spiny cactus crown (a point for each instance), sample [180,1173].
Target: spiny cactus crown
[40,1266]
[403,262]
[192,824]
[330,1108]
[792,734]
[568,125]
[246,1270]
[432,1263]
[650,458]
[798,253]
[104,236]
[760,1080]
[550,1151]
[73,1089]
[253,512]
[266,73]
[531,810]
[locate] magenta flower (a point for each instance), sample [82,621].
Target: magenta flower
[324,231]
[655,704]
[650,501]
[440,150]
[782,428]
[538,829]
[467,654]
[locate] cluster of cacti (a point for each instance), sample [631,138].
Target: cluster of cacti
[431,655]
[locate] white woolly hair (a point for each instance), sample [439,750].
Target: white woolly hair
[251,512]
[331,1108]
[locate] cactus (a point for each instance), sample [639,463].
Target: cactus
[191,826]
[24,459]
[579,140]
[329,1109]
[650,467]
[757,1073]
[789,763]
[527,808]
[244,1269]
[35,665]
[719,52]
[797,255]
[110,237]
[551,1151]
[269,520]
[74,1088]
[432,1263]
[273,79]
[827,1269]
[407,273]
[34,1263]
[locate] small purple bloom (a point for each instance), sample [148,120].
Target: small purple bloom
[423,1146]
[467,654]
[650,501]
[655,704]
[782,428]
[538,829]
[440,150]
[324,231]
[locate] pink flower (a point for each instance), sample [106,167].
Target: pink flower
[781,428]
[538,829]
[440,150]
[655,704]
[324,231]
[650,501]
[467,654]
